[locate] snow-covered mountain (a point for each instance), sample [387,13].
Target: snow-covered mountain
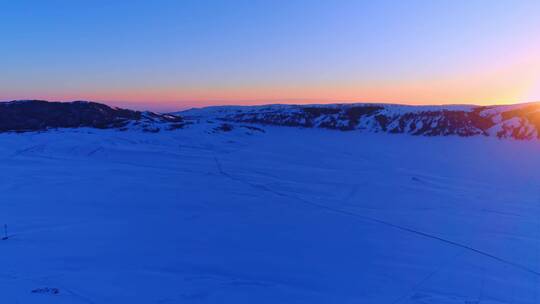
[520,121]
[39,115]
[515,121]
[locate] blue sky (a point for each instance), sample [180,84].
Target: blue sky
[173,54]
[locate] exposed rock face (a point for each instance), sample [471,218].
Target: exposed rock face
[36,115]
[520,121]
[516,121]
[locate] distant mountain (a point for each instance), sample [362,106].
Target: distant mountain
[520,121]
[38,115]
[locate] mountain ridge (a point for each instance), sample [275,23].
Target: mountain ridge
[519,121]
[41,115]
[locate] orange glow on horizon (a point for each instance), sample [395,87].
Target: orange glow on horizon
[500,83]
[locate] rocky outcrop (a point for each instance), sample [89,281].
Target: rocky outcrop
[516,121]
[38,115]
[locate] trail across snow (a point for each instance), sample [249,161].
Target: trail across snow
[286,216]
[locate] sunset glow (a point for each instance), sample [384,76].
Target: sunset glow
[172,54]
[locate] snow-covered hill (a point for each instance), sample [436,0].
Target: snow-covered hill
[516,121]
[40,115]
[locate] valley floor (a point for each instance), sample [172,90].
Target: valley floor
[285,216]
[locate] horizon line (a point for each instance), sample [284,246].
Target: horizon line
[143,106]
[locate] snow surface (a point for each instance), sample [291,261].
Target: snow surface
[286,216]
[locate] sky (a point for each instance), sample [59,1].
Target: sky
[168,55]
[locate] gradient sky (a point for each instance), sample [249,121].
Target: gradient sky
[175,54]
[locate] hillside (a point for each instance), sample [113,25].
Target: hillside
[40,115]
[517,121]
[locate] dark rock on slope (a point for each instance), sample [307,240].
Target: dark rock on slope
[37,115]
[520,121]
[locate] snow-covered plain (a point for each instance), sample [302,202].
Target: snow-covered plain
[286,216]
